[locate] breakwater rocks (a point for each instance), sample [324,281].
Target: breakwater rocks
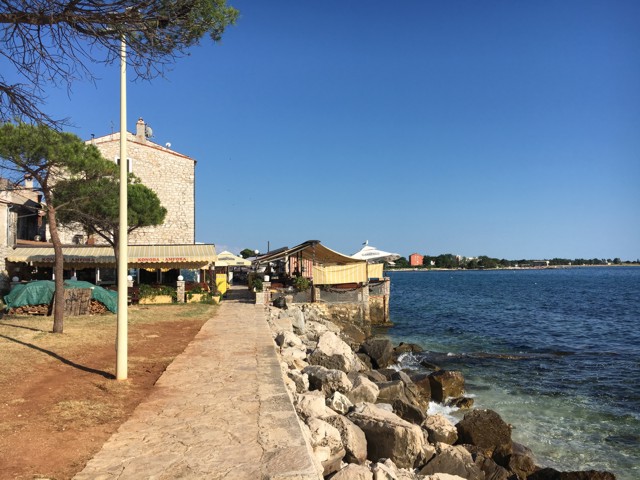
[366,420]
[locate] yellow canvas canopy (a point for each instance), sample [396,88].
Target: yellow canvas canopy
[140,256]
[328,267]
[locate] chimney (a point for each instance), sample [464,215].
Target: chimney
[140,130]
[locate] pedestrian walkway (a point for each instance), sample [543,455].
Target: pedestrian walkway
[220,411]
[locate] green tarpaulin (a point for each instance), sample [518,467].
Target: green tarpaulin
[41,292]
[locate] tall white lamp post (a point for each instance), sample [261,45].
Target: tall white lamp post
[123,284]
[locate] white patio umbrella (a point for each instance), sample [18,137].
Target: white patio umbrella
[374,255]
[228,259]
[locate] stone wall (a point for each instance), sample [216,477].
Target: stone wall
[171,175]
[379,310]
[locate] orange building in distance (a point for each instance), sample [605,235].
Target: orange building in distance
[415,259]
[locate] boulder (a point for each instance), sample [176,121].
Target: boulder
[298,322]
[409,410]
[283,321]
[440,430]
[300,380]
[375,375]
[353,439]
[441,476]
[388,436]
[287,338]
[364,390]
[353,335]
[421,380]
[414,394]
[353,472]
[294,357]
[492,471]
[389,391]
[454,460]
[404,399]
[387,373]
[326,444]
[519,459]
[365,359]
[552,474]
[333,353]
[485,429]
[388,470]
[445,384]
[312,405]
[406,348]
[400,375]
[339,403]
[380,350]
[463,403]
[326,380]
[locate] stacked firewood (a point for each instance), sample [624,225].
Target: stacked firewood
[96,308]
[30,310]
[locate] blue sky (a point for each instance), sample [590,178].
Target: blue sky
[500,128]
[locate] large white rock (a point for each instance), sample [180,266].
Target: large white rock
[333,353]
[454,460]
[389,436]
[288,339]
[294,357]
[442,476]
[353,438]
[312,405]
[440,429]
[388,470]
[300,380]
[339,403]
[297,317]
[364,390]
[353,472]
[327,380]
[326,444]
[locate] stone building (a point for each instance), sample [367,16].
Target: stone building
[171,175]
[157,254]
[21,219]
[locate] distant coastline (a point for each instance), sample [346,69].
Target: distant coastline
[549,267]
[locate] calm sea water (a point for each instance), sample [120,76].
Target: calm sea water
[555,352]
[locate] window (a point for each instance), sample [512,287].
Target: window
[129,164]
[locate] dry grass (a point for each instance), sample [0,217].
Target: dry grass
[26,341]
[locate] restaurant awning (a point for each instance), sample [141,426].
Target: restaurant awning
[310,250]
[140,256]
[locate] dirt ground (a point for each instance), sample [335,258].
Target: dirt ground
[59,400]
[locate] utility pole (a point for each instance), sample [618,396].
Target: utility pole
[123,259]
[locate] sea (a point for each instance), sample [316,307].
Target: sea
[556,352]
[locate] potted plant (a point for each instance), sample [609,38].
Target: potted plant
[301,283]
[161,294]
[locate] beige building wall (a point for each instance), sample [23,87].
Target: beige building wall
[170,174]
[11,195]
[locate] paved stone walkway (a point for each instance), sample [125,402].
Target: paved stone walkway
[220,411]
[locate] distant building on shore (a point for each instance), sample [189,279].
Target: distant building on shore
[540,263]
[415,259]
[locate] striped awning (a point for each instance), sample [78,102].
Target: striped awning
[140,256]
[375,270]
[337,274]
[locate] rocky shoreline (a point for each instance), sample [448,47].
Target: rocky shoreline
[365,420]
